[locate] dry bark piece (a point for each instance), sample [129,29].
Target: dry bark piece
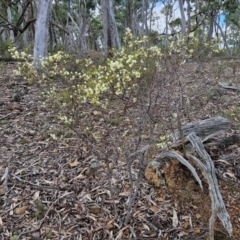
[208,170]
[196,133]
[205,129]
[95,209]
[225,141]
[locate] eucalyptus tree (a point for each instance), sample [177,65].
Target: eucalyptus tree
[16,17]
[41,33]
[110,31]
[232,21]
[183,17]
[86,11]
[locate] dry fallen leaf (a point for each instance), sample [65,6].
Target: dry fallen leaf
[126,187]
[230,174]
[161,199]
[154,209]
[2,190]
[174,218]
[198,216]
[109,226]
[182,233]
[95,209]
[223,161]
[111,221]
[36,235]
[36,195]
[197,230]
[73,164]
[20,210]
[103,163]
[111,165]
[186,224]
[97,113]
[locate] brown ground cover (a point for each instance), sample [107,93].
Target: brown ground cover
[49,191]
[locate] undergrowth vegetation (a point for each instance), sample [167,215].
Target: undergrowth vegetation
[141,78]
[68,82]
[119,107]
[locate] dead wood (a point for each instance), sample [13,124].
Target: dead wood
[225,141]
[230,87]
[218,206]
[204,129]
[196,133]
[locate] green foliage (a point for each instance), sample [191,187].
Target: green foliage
[72,81]
[96,24]
[175,23]
[69,82]
[190,46]
[4,46]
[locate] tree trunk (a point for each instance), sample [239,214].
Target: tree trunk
[11,34]
[107,43]
[211,25]
[110,32]
[144,18]
[189,16]
[41,34]
[224,39]
[182,16]
[114,32]
[129,14]
[82,27]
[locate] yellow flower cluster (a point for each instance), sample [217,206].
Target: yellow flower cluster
[190,45]
[69,81]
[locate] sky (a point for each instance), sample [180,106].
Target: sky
[160,24]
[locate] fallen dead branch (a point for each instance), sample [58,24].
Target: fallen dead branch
[205,129]
[45,216]
[208,170]
[196,133]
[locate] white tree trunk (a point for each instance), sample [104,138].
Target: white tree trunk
[144,18]
[110,32]
[189,9]
[183,18]
[115,35]
[41,33]
[9,14]
[82,27]
[70,43]
[210,30]
[106,27]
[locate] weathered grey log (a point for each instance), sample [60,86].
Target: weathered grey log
[230,87]
[204,129]
[208,170]
[225,141]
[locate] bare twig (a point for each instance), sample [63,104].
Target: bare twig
[109,176]
[45,216]
[5,177]
[218,206]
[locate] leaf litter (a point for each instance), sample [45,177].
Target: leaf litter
[53,187]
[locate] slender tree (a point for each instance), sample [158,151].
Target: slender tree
[110,31]
[183,18]
[41,34]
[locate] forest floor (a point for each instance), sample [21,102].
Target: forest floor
[46,193]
